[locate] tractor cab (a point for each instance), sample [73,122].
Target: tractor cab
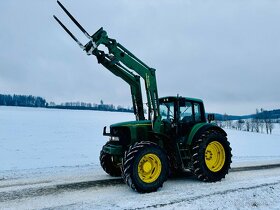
[181,114]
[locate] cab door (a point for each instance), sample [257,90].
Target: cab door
[189,114]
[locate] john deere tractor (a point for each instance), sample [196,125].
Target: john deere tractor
[174,137]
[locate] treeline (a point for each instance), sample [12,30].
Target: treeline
[89,106]
[262,121]
[36,101]
[272,114]
[22,100]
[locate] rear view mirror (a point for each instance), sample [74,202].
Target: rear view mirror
[211,117]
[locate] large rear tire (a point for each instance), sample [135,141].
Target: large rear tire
[109,165]
[145,167]
[211,156]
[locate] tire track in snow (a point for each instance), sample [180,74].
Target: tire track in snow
[252,168]
[24,184]
[56,189]
[223,192]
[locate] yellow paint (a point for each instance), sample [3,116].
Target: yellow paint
[215,156]
[149,168]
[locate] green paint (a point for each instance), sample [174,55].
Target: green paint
[197,127]
[132,123]
[113,149]
[193,132]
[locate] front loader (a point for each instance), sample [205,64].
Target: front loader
[173,138]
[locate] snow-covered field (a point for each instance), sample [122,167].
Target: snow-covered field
[47,145]
[51,139]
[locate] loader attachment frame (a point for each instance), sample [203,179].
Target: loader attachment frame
[122,63]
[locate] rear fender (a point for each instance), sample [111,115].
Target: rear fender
[199,128]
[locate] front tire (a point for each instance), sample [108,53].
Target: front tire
[211,156]
[109,165]
[145,167]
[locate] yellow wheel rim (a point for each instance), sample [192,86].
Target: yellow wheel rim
[149,168]
[215,156]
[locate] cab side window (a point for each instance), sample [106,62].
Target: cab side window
[186,114]
[197,112]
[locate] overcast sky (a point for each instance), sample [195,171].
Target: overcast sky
[224,52]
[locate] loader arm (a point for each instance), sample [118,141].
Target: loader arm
[125,58]
[122,63]
[132,79]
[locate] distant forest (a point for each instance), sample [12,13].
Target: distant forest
[261,114]
[36,101]
[89,106]
[22,100]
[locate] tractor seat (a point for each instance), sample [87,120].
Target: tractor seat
[187,119]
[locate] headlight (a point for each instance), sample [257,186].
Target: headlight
[114,138]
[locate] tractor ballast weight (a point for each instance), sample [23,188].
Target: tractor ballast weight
[174,138]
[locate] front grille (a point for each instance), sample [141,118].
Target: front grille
[123,133]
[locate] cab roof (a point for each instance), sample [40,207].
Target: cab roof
[173,98]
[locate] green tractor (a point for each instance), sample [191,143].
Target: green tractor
[174,137]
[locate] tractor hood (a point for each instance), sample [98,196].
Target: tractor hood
[132,123]
[131,131]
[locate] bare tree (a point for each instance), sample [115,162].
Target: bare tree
[267,121]
[226,120]
[257,121]
[266,125]
[252,125]
[261,125]
[270,126]
[256,125]
[240,124]
[219,123]
[247,125]
[229,123]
